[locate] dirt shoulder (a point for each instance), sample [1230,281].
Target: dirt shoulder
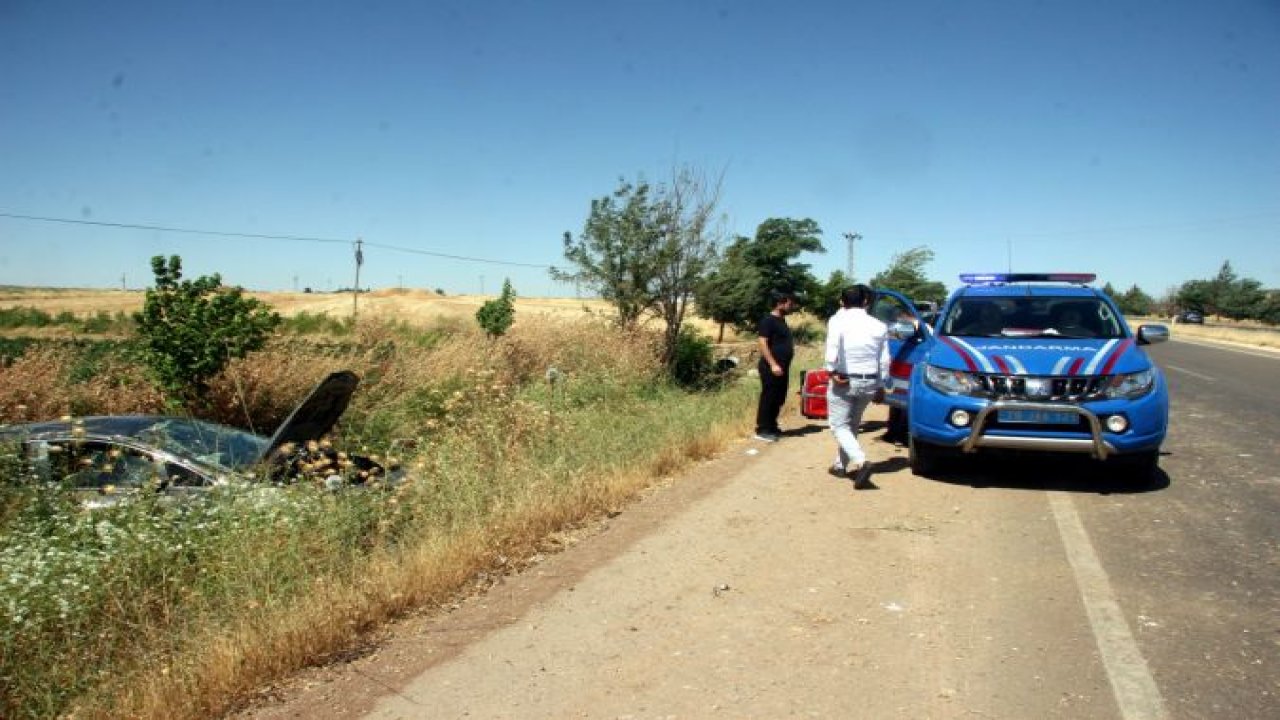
[756,585]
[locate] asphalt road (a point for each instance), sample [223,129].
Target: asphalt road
[1192,563]
[759,587]
[1196,563]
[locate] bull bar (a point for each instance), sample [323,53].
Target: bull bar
[1095,445]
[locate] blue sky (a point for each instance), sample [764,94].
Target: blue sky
[1138,140]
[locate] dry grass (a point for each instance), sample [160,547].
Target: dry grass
[502,461]
[433,573]
[415,307]
[41,385]
[1246,335]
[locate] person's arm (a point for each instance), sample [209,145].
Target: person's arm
[767,354]
[832,354]
[831,357]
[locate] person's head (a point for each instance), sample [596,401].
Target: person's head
[783,302]
[856,296]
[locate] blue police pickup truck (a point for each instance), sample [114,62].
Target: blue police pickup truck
[1025,362]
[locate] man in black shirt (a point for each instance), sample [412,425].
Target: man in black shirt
[776,351]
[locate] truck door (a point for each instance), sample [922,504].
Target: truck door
[908,332]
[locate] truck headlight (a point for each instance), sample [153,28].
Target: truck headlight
[1131,385]
[951,382]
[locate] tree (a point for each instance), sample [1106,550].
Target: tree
[496,316]
[1135,302]
[1242,300]
[1226,294]
[689,248]
[191,329]
[777,243]
[905,274]
[735,284]
[1198,295]
[646,248]
[739,290]
[1269,308]
[826,299]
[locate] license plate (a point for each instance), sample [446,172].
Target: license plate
[1039,417]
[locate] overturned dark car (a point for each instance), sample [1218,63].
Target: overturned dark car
[105,458]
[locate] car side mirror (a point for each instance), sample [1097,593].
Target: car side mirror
[1151,334]
[902,330]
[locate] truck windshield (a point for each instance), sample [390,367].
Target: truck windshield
[1075,317]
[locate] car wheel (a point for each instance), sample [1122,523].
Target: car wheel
[896,428]
[1135,469]
[926,459]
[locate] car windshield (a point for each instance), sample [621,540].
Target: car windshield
[208,443]
[1068,316]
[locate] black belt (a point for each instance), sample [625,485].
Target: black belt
[859,376]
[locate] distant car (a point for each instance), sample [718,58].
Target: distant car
[105,458]
[1189,316]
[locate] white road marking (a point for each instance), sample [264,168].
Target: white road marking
[1131,682]
[1192,373]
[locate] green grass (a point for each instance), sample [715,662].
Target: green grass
[100,322]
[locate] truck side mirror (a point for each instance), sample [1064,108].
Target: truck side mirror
[1151,334]
[902,330]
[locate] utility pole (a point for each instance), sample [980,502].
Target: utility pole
[355,293]
[851,238]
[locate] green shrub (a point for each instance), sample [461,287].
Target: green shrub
[693,365]
[307,323]
[497,315]
[24,317]
[191,329]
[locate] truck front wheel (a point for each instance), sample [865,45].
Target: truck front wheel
[926,459]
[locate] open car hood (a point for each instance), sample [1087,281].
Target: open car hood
[316,415]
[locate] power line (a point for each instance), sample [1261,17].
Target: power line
[256,236]
[456,257]
[162,228]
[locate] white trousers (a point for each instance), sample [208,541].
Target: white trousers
[845,406]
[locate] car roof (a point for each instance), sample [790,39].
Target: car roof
[98,425]
[310,420]
[1027,290]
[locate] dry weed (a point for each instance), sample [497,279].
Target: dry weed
[44,384]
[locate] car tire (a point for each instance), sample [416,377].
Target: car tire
[896,428]
[1135,469]
[926,458]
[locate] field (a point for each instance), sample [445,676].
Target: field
[418,307]
[135,611]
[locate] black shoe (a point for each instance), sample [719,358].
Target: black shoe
[768,436]
[837,471]
[862,478]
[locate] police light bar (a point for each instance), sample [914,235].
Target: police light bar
[993,278]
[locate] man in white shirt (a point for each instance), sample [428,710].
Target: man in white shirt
[857,356]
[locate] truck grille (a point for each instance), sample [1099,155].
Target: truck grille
[1042,389]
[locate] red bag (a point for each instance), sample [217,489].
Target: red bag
[813,393]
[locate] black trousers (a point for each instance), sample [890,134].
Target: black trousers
[773,393]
